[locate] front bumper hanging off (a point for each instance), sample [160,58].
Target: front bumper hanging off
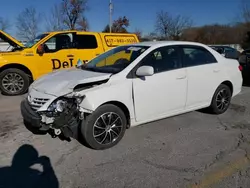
[67,123]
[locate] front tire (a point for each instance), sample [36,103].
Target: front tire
[14,82]
[104,128]
[221,99]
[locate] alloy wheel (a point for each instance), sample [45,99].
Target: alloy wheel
[13,82]
[107,128]
[222,99]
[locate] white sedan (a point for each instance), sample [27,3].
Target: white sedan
[128,86]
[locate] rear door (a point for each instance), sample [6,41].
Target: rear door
[86,47]
[204,75]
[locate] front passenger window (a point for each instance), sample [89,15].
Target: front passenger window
[163,59]
[58,42]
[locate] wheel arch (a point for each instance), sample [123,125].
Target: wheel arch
[20,67]
[229,84]
[123,107]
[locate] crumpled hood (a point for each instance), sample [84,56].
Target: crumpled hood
[62,82]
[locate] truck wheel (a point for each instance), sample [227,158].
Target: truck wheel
[104,128]
[221,99]
[14,82]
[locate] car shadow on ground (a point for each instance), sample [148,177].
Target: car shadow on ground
[205,111]
[20,174]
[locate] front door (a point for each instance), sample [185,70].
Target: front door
[164,92]
[57,54]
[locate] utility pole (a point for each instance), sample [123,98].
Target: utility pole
[110,15]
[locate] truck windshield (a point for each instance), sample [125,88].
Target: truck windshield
[115,60]
[31,43]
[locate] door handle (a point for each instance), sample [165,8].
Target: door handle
[181,77]
[97,54]
[216,70]
[70,55]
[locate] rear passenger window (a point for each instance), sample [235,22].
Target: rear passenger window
[86,42]
[194,56]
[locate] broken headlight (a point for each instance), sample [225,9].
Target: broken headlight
[58,105]
[61,104]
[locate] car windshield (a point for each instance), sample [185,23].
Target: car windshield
[115,60]
[31,43]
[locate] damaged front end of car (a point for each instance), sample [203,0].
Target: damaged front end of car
[62,118]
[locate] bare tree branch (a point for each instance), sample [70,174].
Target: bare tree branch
[119,26]
[54,22]
[83,24]
[171,27]
[72,12]
[215,34]
[27,23]
[138,33]
[245,11]
[4,24]
[163,23]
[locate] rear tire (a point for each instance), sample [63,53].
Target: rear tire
[14,82]
[104,128]
[221,100]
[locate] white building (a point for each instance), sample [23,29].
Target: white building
[4,46]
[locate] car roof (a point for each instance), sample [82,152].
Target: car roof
[216,46]
[166,43]
[221,46]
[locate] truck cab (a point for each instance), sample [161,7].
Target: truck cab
[49,52]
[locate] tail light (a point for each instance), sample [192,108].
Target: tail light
[240,68]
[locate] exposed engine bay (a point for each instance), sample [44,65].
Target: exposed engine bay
[62,116]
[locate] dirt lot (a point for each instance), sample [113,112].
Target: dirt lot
[191,150]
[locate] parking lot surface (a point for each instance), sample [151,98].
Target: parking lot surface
[191,150]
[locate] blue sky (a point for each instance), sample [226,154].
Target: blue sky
[142,13]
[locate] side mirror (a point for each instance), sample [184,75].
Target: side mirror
[40,49]
[145,71]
